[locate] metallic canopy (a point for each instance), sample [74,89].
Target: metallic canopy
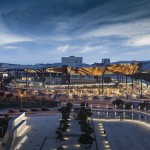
[122,67]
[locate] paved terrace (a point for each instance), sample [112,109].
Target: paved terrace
[119,134]
[122,135]
[39,129]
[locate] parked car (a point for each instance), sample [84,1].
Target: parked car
[12,111]
[35,109]
[22,110]
[1,114]
[45,109]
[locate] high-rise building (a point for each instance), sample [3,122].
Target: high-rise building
[72,61]
[106,60]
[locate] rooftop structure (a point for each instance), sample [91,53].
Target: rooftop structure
[72,61]
[106,61]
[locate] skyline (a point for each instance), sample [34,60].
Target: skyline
[34,31]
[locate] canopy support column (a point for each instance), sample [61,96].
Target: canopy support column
[141,89]
[43,78]
[141,83]
[126,81]
[26,78]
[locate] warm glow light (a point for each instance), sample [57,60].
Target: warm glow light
[77,145]
[106,142]
[24,130]
[102,129]
[66,138]
[107,146]
[21,142]
[101,132]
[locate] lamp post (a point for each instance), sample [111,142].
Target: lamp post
[107,114]
[2,131]
[91,106]
[115,115]
[98,114]
[145,119]
[145,109]
[139,108]
[139,117]
[124,114]
[132,116]
[107,106]
[124,106]
[21,100]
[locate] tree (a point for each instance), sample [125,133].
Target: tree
[83,114]
[128,105]
[144,105]
[84,104]
[86,139]
[118,102]
[69,105]
[85,127]
[60,137]
[9,95]
[1,94]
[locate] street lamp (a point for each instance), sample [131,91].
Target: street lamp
[21,100]
[115,115]
[98,114]
[124,106]
[107,114]
[91,105]
[145,119]
[139,117]
[145,109]
[124,114]
[132,116]
[107,106]
[139,108]
[2,131]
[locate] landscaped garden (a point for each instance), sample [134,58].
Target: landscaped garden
[82,117]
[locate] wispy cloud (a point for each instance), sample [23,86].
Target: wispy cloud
[51,29]
[7,38]
[11,47]
[140,41]
[63,48]
[88,48]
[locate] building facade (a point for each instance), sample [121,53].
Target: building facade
[106,61]
[72,61]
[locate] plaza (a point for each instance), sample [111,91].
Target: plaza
[109,132]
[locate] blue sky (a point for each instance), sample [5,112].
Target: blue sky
[42,31]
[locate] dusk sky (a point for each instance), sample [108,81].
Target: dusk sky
[43,31]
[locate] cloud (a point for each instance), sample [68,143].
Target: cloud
[71,18]
[63,49]
[7,38]
[11,47]
[140,41]
[95,28]
[88,48]
[130,29]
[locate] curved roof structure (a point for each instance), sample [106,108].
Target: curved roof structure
[121,67]
[124,68]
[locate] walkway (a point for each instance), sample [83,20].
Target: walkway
[123,135]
